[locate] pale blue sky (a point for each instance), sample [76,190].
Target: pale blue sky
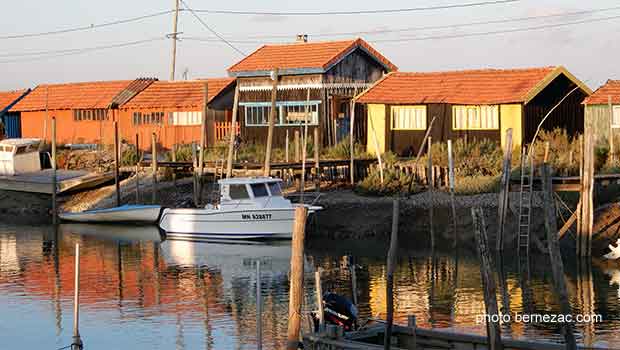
[589,50]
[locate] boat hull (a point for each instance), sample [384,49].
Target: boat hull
[140,214]
[275,223]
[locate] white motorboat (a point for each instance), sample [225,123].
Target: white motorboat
[249,208]
[139,214]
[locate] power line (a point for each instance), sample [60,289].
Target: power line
[245,40]
[446,26]
[359,12]
[438,37]
[505,31]
[88,27]
[77,51]
[220,37]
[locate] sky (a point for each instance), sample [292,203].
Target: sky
[588,50]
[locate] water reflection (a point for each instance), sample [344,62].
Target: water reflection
[141,292]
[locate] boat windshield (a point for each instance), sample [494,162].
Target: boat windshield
[259,190]
[274,188]
[238,192]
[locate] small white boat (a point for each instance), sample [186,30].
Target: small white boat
[138,214]
[249,208]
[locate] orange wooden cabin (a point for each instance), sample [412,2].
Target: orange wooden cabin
[173,111]
[85,112]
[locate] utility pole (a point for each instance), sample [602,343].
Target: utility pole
[173,36]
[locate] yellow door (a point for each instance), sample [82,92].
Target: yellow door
[376,129]
[511,119]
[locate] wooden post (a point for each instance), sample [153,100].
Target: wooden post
[430,181]
[173,156]
[488,281]
[305,147]
[117,185]
[546,157]
[389,278]
[426,135]
[286,150]
[376,142]
[77,341]
[203,136]
[451,182]
[272,123]
[137,169]
[611,131]
[259,309]
[317,173]
[411,323]
[353,273]
[555,255]
[352,142]
[450,166]
[296,290]
[319,298]
[194,172]
[504,191]
[586,219]
[54,175]
[154,165]
[296,146]
[233,132]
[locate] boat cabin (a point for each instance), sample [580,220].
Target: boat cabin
[249,188]
[18,156]
[262,192]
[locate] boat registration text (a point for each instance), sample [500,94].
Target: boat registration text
[256,216]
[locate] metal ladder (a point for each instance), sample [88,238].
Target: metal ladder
[525,202]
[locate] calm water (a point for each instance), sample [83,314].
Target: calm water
[149,294]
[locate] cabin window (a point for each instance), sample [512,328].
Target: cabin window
[288,113]
[21,150]
[257,115]
[259,190]
[90,114]
[274,189]
[615,119]
[475,117]
[295,113]
[185,118]
[409,118]
[238,192]
[140,118]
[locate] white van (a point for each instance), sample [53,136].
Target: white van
[18,156]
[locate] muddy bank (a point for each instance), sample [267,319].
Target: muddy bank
[348,215]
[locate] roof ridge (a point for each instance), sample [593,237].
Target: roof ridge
[312,42]
[478,70]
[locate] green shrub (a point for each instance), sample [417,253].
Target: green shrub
[393,183]
[477,184]
[561,148]
[129,156]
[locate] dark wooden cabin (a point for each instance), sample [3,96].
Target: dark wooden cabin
[330,72]
[471,104]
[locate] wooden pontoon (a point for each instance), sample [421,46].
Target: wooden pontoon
[41,181]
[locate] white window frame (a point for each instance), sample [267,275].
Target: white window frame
[408,117]
[262,110]
[475,117]
[615,117]
[185,118]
